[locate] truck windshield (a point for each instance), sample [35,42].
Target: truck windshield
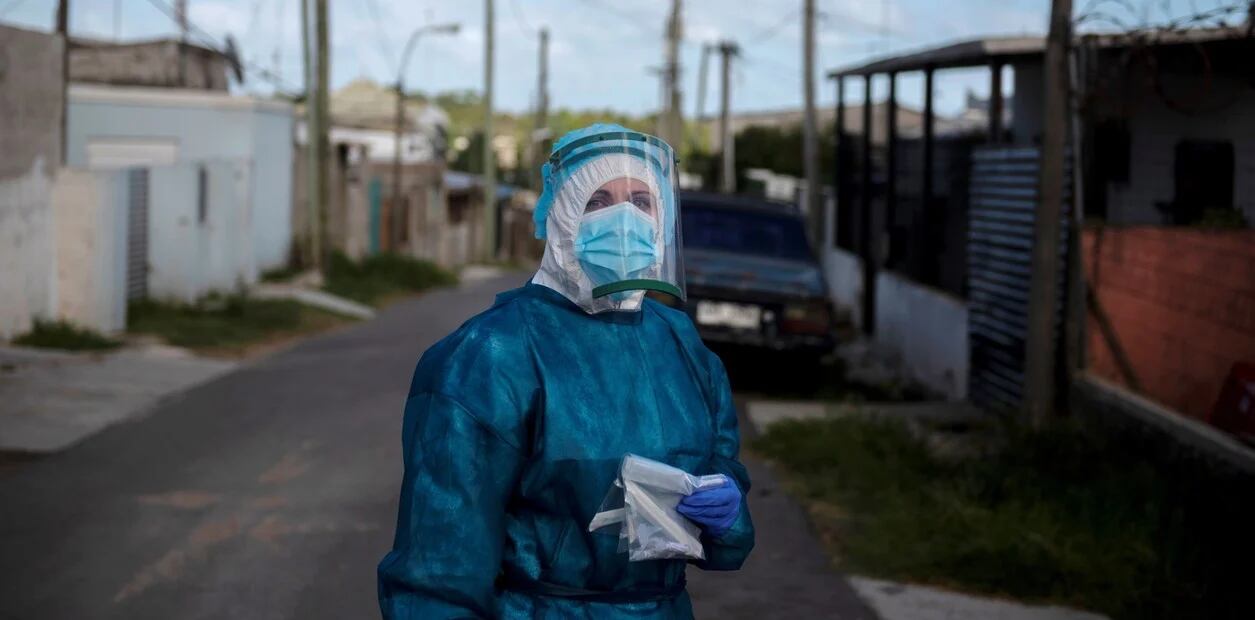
[743,232]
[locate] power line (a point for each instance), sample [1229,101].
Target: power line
[277,54]
[737,17]
[254,17]
[209,40]
[519,21]
[635,20]
[783,68]
[767,33]
[845,18]
[384,40]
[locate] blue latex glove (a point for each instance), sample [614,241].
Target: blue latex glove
[715,509]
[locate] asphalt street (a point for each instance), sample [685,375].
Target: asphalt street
[271,492]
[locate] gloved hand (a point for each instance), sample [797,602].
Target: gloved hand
[715,509]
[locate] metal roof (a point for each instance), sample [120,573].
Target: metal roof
[962,54]
[976,52]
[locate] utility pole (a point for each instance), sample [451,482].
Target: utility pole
[810,140]
[63,29]
[1039,365]
[673,121]
[701,95]
[727,176]
[398,128]
[540,127]
[180,16]
[324,117]
[311,154]
[490,164]
[660,118]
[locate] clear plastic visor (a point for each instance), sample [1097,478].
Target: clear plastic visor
[628,235]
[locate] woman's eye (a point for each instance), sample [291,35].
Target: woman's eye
[643,203]
[595,203]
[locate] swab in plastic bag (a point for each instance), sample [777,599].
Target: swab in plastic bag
[642,503]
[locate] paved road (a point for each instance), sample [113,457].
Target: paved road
[271,493]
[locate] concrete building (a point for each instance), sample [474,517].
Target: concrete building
[931,236]
[63,232]
[431,218]
[218,186]
[166,63]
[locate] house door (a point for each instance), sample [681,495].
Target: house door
[137,234]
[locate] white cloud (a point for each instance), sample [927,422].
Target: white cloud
[600,50]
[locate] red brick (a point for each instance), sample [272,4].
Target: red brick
[1182,303]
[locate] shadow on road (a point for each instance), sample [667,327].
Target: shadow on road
[789,376]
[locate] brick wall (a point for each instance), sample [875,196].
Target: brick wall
[1182,305]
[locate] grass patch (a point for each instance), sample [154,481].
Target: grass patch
[280,274]
[227,324]
[1054,515]
[65,336]
[382,276]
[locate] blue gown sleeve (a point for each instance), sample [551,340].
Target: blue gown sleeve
[459,474]
[729,551]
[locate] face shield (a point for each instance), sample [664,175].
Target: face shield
[609,217]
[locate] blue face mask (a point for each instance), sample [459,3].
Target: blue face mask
[616,243]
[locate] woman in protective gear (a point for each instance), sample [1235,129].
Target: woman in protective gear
[516,423]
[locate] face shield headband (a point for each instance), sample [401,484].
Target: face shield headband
[658,158]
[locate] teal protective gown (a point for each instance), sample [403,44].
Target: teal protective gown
[514,428]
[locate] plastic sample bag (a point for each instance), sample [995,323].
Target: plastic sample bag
[641,503]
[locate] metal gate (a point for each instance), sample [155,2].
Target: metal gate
[137,234]
[1002,208]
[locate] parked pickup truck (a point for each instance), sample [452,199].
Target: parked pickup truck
[752,277]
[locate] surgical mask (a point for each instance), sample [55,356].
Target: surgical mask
[616,243]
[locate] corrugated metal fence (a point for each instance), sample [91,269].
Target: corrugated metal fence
[999,249]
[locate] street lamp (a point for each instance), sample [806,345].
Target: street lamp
[400,117]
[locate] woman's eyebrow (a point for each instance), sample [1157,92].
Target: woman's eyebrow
[601,193]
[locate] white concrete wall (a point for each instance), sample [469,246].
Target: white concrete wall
[1154,131]
[30,152]
[844,272]
[90,214]
[26,251]
[927,329]
[923,329]
[272,187]
[189,258]
[205,127]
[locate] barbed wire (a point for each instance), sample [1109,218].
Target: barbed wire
[1140,45]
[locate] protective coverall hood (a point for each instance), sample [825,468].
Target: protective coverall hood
[590,262]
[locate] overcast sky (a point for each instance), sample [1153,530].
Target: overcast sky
[601,51]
